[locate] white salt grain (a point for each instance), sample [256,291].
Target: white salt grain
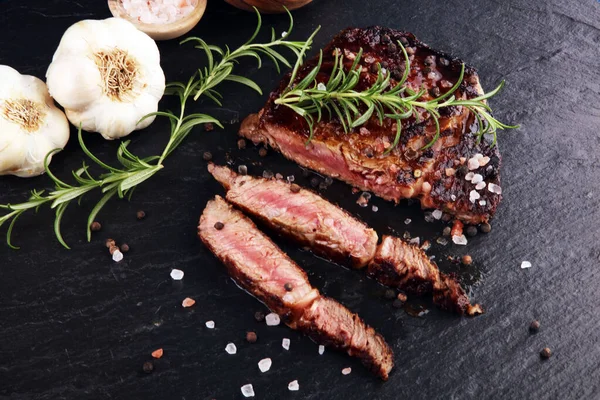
[321,86]
[473,163]
[480,185]
[477,178]
[176,274]
[346,371]
[265,364]
[437,214]
[525,264]
[407,221]
[462,239]
[492,187]
[321,349]
[272,319]
[210,324]
[248,390]
[482,202]
[453,197]
[469,176]
[285,343]
[483,161]
[416,241]
[230,348]
[293,386]
[117,256]
[284,34]
[474,195]
[375,208]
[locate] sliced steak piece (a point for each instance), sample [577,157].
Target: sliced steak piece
[304,216]
[257,265]
[328,230]
[435,176]
[407,267]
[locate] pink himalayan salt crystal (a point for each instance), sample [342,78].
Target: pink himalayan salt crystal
[158,11]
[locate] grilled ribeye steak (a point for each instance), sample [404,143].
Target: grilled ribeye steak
[304,216]
[261,268]
[436,176]
[330,231]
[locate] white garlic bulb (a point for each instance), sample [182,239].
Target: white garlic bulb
[30,124]
[107,76]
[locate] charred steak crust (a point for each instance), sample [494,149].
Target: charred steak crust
[309,219]
[358,157]
[257,265]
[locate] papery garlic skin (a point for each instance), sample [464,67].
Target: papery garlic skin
[30,124]
[107,76]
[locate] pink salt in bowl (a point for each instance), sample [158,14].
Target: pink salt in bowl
[161,31]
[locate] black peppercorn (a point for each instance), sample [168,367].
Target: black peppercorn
[95,226]
[259,316]
[124,248]
[385,39]
[219,226]
[534,327]
[485,228]
[148,367]
[444,61]
[288,287]
[392,48]
[546,353]
[435,92]
[207,156]
[140,215]
[471,231]
[251,337]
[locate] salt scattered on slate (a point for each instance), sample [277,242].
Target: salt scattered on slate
[346,371]
[265,364]
[230,348]
[293,386]
[375,208]
[248,390]
[462,239]
[437,214]
[321,349]
[272,319]
[525,264]
[117,256]
[407,221]
[176,274]
[210,324]
[285,343]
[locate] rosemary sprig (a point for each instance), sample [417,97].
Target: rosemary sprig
[339,98]
[121,181]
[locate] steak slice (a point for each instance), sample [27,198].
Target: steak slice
[257,265]
[328,230]
[303,216]
[408,267]
[435,176]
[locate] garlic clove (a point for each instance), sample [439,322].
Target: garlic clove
[83,75]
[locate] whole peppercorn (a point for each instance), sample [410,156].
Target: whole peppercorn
[262,152]
[141,215]
[148,367]
[219,225]
[251,337]
[241,143]
[208,127]
[95,226]
[546,353]
[471,231]
[446,231]
[207,156]
[467,259]
[110,243]
[389,294]
[124,248]
[402,297]
[534,327]
[259,316]
[288,287]
[485,228]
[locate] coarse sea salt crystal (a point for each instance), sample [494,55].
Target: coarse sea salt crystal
[158,11]
[482,202]
[321,349]
[415,241]
[477,178]
[462,239]
[285,343]
[248,390]
[284,34]
[480,185]
[474,195]
[492,187]
[473,163]
[346,371]
[525,264]
[210,324]
[177,274]
[469,176]
[265,364]
[272,319]
[230,348]
[407,221]
[453,197]
[437,214]
[117,256]
[483,161]
[321,86]
[293,386]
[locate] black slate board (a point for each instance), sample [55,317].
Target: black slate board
[76,325]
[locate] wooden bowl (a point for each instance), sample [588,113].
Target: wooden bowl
[268,6]
[161,31]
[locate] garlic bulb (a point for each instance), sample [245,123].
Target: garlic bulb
[107,76]
[30,124]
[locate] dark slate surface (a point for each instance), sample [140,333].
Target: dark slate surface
[75,325]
